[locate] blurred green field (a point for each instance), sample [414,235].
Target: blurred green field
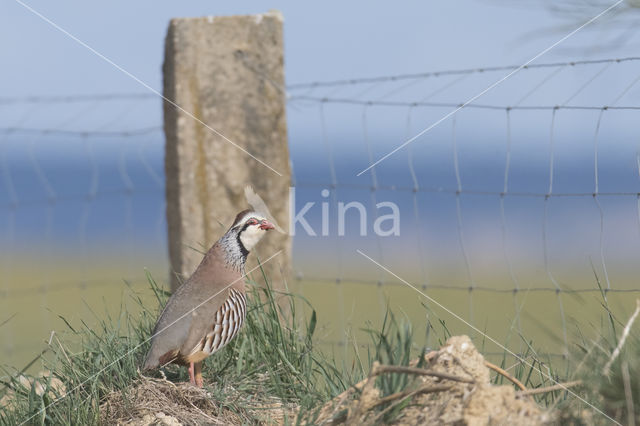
[39,298]
[33,306]
[537,318]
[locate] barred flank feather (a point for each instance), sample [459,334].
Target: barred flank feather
[226,324]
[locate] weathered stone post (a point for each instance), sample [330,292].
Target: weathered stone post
[227,72]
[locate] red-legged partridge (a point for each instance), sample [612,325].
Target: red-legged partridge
[208,309]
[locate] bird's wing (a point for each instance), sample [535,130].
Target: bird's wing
[202,322]
[171,329]
[211,285]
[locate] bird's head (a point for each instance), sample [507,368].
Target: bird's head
[249,227]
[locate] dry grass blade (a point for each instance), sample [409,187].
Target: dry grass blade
[625,333]
[504,373]
[8,319]
[626,380]
[382,369]
[559,386]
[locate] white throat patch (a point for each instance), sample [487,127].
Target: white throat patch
[250,236]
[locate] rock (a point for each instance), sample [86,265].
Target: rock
[43,381]
[157,419]
[480,403]
[5,401]
[460,355]
[498,405]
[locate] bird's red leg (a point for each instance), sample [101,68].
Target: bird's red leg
[198,374]
[191,376]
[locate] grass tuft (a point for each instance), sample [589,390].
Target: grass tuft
[609,368]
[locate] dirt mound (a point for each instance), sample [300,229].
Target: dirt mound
[452,388]
[161,402]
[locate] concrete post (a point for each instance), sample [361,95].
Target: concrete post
[227,72]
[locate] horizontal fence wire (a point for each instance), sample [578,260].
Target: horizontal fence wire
[57,200]
[64,99]
[466,71]
[542,357]
[452,191]
[81,133]
[69,285]
[302,278]
[364,102]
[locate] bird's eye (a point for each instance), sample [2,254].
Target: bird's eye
[252,221]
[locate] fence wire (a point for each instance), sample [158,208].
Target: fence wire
[122,176]
[407,94]
[81,191]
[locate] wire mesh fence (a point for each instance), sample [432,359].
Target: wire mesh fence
[82,191]
[536,184]
[528,198]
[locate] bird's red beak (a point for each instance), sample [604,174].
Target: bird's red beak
[265,226]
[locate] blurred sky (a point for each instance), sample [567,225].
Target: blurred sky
[324,40]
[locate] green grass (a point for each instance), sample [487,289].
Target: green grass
[613,386]
[277,357]
[270,356]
